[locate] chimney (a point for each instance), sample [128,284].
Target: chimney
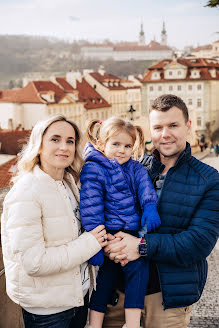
[101,70]
[73,77]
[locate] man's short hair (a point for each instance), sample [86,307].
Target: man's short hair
[165,102]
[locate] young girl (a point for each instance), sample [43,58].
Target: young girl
[116,191]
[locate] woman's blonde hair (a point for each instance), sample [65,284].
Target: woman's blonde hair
[29,156]
[100,132]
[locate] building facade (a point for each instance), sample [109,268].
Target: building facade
[121,94]
[194,80]
[125,51]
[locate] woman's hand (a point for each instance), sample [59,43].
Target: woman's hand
[100,234]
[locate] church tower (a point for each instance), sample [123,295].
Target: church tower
[164,36]
[141,36]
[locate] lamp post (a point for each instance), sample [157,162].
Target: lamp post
[131,111]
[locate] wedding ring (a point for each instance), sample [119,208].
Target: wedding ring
[103,238]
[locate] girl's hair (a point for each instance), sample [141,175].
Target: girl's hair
[29,156]
[101,132]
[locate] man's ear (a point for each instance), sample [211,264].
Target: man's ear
[189,124]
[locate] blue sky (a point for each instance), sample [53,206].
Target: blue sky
[188,22]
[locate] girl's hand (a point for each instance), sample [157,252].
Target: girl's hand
[100,234]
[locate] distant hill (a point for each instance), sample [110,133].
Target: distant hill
[23,54]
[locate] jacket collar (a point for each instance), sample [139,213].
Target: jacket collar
[155,166]
[49,180]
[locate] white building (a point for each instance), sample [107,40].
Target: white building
[194,80]
[129,50]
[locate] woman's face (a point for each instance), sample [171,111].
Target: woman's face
[58,149]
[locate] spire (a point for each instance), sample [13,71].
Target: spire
[164,36]
[141,36]
[164,30]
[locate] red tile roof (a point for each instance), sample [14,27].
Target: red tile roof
[152,46]
[65,85]
[90,96]
[206,47]
[113,82]
[202,64]
[12,141]
[129,46]
[86,93]
[7,170]
[31,93]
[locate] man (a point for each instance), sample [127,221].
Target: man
[188,197]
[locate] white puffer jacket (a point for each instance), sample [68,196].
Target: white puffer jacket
[42,251]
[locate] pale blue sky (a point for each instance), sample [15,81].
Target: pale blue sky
[188,22]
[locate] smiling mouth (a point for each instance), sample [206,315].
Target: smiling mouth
[167,143]
[65,156]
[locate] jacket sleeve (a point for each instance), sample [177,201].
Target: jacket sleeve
[22,235]
[91,196]
[195,243]
[145,189]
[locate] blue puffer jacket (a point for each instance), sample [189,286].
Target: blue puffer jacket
[188,207]
[111,193]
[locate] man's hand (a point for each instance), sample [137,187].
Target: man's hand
[124,248]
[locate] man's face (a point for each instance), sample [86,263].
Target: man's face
[169,131]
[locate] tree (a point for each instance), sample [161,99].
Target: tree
[212,3]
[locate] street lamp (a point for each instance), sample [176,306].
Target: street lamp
[131,111]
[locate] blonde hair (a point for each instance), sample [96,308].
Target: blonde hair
[29,156]
[100,132]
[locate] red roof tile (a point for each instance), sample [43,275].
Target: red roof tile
[206,47]
[90,96]
[202,64]
[12,141]
[86,93]
[65,85]
[31,93]
[7,170]
[152,46]
[113,82]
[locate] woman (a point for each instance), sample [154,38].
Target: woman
[44,251]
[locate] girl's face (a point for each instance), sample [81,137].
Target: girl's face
[58,149]
[119,146]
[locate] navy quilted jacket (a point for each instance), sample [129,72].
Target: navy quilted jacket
[189,209]
[113,194]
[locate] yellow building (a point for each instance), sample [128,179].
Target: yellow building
[119,93]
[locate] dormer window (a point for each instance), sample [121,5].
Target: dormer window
[212,72]
[155,76]
[195,74]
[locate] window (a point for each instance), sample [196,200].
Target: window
[159,88]
[179,72]
[199,121]
[170,88]
[151,88]
[199,87]
[190,101]
[190,87]
[199,102]
[179,87]
[170,73]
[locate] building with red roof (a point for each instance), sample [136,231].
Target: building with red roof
[120,93]
[123,51]
[195,80]
[38,99]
